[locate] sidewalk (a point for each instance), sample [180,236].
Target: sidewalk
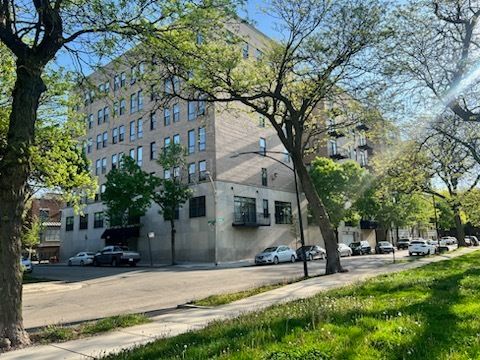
[188,319]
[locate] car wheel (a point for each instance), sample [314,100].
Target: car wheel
[410,254]
[275,260]
[310,257]
[292,259]
[82,263]
[69,262]
[96,263]
[114,262]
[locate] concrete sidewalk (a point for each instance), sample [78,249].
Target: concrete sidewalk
[188,319]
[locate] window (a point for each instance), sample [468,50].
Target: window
[245,209]
[140,128]
[199,39]
[140,100]
[132,130]
[176,113]
[261,121]
[132,153]
[133,103]
[140,156]
[166,174]
[98,220]
[166,116]
[153,120]
[176,172]
[166,144]
[363,158]
[120,158]
[202,170]
[263,146]
[266,213]
[153,93]
[191,172]
[258,54]
[105,139]
[264,177]
[362,140]
[153,150]
[69,223]
[202,138]
[286,157]
[99,141]
[98,166]
[107,87]
[106,114]
[192,111]
[104,165]
[168,86]
[123,105]
[176,139]
[101,88]
[89,145]
[83,224]
[201,107]
[121,133]
[114,161]
[103,187]
[123,79]
[92,96]
[133,74]
[245,49]
[191,141]
[115,108]
[90,121]
[197,206]
[141,68]
[176,84]
[332,145]
[283,212]
[116,82]
[114,135]
[99,116]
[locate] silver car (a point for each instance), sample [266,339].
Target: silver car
[275,255]
[82,258]
[344,250]
[26,265]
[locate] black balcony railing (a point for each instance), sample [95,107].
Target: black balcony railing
[365,146]
[368,224]
[363,127]
[335,133]
[250,219]
[339,155]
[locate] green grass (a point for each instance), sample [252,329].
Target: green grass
[55,333]
[29,279]
[222,299]
[432,312]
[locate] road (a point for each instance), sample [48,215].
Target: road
[89,293]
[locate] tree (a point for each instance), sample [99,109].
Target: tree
[128,193]
[31,234]
[34,33]
[173,192]
[339,185]
[317,62]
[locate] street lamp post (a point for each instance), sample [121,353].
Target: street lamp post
[150,236]
[299,208]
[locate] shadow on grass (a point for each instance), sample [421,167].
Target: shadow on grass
[417,314]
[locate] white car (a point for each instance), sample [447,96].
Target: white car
[344,250]
[421,247]
[448,240]
[82,258]
[26,265]
[275,255]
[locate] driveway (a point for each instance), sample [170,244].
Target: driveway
[92,293]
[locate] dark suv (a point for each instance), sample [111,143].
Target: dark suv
[403,244]
[360,248]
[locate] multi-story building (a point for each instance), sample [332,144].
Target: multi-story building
[240,204]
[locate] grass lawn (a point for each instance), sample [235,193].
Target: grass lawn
[428,313]
[55,333]
[29,279]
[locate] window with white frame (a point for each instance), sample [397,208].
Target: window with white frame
[132,130]
[140,128]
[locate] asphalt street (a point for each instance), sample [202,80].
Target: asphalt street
[85,293]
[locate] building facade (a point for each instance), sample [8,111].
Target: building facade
[240,204]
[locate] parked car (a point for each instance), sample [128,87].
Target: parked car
[116,255]
[360,247]
[26,265]
[82,258]
[344,250]
[420,247]
[468,241]
[448,240]
[312,252]
[384,247]
[473,239]
[402,244]
[275,255]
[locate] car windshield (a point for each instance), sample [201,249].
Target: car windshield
[384,243]
[270,249]
[417,242]
[90,254]
[306,247]
[355,244]
[403,240]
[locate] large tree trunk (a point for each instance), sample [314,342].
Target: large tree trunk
[14,170]
[172,240]
[333,258]
[459,226]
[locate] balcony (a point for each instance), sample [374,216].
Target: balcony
[335,133]
[362,127]
[339,155]
[364,146]
[368,224]
[250,219]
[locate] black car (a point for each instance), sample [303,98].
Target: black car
[384,247]
[312,252]
[360,248]
[402,244]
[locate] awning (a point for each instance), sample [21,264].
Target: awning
[121,233]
